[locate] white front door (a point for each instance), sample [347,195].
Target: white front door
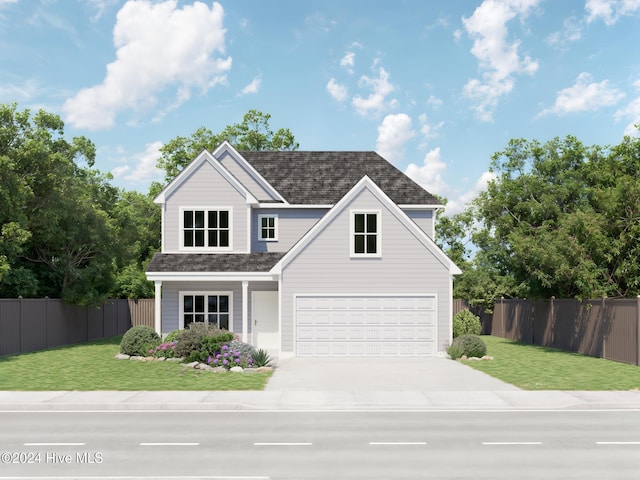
[264,313]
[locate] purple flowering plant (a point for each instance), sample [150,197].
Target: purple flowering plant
[166,350]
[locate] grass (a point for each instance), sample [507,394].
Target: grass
[540,368]
[92,366]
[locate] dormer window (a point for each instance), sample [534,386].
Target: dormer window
[268,228]
[206,228]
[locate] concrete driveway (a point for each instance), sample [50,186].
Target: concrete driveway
[425,374]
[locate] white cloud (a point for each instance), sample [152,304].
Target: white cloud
[429,130]
[393,133]
[159,47]
[100,6]
[145,169]
[610,11]
[571,32]
[252,87]
[498,58]
[585,95]
[631,112]
[434,101]
[376,101]
[459,203]
[429,174]
[337,91]
[348,61]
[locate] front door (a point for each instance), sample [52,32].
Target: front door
[264,313]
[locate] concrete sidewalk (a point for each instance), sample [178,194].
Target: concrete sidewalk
[319,400]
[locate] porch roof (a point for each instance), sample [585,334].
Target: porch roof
[213,262]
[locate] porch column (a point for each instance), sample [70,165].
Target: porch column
[245,310]
[158,307]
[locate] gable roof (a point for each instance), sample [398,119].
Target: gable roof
[323,178]
[211,262]
[366,183]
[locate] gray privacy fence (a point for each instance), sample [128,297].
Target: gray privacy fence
[27,325]
[485,318]
[606,328]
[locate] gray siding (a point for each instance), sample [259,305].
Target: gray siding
[424,219]
[205,188]
[239,171]
[171,298]
[292,225]
[325,266]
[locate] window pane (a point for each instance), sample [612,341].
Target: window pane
[212,319]
[224,238]
[188,303]
[223,303]
[187,320]
[271,233]
[213,219]
[372,223]
[224,219]
[359,223]
[213,303]
[372,243]
[188,238]
[199,214]
[188,219]
[199,317]
[359,244]
[213,238]
[272,222]
[224,321]
[265,233]
[199,303]
[264,222]
[199,238]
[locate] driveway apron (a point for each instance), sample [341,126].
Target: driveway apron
[425,374]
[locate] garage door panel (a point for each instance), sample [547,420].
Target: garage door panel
[359,325]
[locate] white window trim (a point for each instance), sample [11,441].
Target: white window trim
[205,249]
[182,294]
[275,227]
[352,233]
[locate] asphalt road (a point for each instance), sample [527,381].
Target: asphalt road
[562,444]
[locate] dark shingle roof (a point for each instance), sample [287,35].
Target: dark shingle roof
[213,262]
[323,178]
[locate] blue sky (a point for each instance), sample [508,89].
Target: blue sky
[436,87]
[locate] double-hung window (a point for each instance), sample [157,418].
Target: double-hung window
[268,225]
[206,228]
[213,308]
[365,233]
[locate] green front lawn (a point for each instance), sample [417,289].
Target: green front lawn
[92,366]
[540,368]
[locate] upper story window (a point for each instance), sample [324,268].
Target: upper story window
[206,228]
[365,234]
[268,227]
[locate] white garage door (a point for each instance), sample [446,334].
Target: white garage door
[366,325]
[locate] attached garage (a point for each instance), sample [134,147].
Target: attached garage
[354,325]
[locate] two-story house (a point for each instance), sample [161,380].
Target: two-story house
[304,253]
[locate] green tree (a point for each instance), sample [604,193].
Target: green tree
[253,133]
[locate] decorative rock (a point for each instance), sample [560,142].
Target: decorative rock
[138,358]
[250,370]
[207,368]
[177,359]
[264,369]
[122,356]
[160,359]
[218,369]
[192,365]
[236,369]
[487,357]
[150,359]
[474,359]
[464,357]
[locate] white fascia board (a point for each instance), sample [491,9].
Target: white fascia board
[294,205]
[405,206]
[226,147]
[212,276]
[366,182]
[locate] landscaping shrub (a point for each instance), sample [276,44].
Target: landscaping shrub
[261,358]
[192,337]
[173,336]
[455,351]
[139,340]
[166,350]
[229,358]
[466,322]
[245,349]
[211,346]
[471,346]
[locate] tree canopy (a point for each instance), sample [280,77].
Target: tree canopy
[559,219]
[252,134]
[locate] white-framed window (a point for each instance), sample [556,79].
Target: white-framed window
[213,308]
[206,228]
[268,228]
[365,234]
